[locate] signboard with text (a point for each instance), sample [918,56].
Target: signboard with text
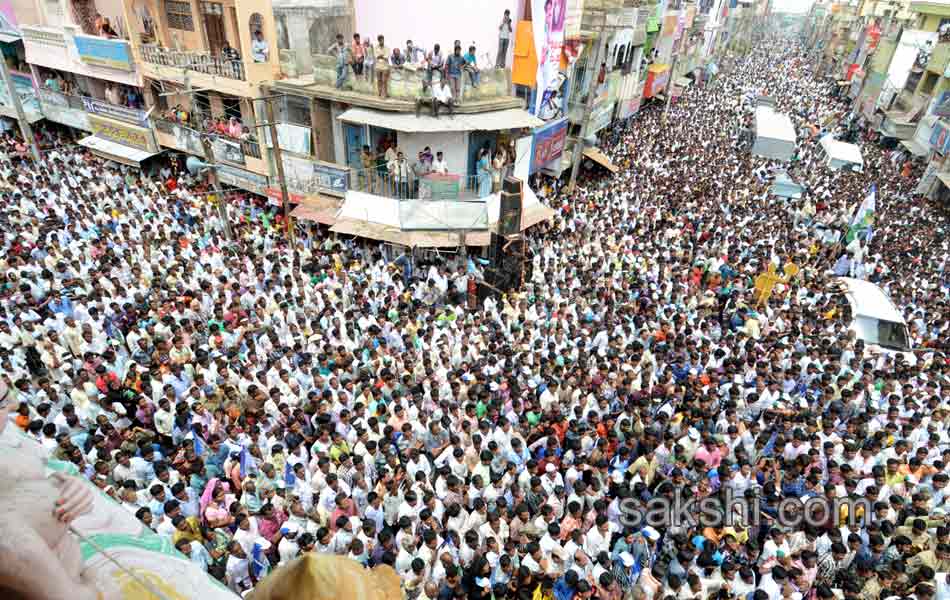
[306,176]
[56,108]
[240,178]
[122,133]
[547,144]
[113,111]
[103,52]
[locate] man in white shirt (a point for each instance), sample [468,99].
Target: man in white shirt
[439,165]
[259,48]
[441,96]
[238,569]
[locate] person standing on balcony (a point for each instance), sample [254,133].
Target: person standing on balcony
[369,59]
[504,38]
[339,51]
[453,66]
[232,58]
[382,68]
[357,55]
[439,165]
[259,48]
[483,173]
[399,170]
[367,175]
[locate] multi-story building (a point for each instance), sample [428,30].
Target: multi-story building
[81,60]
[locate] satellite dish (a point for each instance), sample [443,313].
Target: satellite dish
[195,165]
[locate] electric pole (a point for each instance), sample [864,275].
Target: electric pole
[279,165]
[219,197]
[588,107]
[25,128]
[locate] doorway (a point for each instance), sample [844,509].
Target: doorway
[476,141]
[214,25]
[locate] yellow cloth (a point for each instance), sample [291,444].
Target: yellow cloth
[327,577]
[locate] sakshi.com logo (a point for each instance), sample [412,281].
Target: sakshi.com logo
[677,508]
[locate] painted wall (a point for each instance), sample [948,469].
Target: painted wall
[432,22]
[452,144]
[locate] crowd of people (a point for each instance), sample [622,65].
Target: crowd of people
[252,400]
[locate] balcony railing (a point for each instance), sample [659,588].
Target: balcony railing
[199,62]
[380,182]
[189,140]
[410,83]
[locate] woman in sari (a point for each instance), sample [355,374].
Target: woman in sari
[483,170]
[214,505]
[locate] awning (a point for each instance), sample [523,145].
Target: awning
[683,82]
[534,214]
[413,239]
[8,37]
[601,159]
[844,82]
[321,209]
[512,118]
[115,152]
[915,147]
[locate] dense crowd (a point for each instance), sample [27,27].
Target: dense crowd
[251,401]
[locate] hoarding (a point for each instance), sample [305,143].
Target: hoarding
[103,52]
[56,108]
[240,178]
[547,144]
[122,133]
[114,111]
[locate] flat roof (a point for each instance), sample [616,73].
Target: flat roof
[774,125]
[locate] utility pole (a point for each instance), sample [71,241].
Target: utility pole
[588,108]
[25,128]
[219,197]
[279,164]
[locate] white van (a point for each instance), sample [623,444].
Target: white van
[875,319]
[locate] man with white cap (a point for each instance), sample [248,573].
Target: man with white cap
[552,479]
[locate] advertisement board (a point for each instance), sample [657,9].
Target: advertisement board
[305,176]
[942,105]
[23,83]
[240,178]
[103,52]
[600,117]
[547,144]
[56,108]
[113,111]
[940,138]
[548,29]
[122,133]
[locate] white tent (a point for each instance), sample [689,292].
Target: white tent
[842,154]
[774,134]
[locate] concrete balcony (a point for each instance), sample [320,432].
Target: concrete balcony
[68,49]
[240,153]
[405,85]
[939,58]
[202,69]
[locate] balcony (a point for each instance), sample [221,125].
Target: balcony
[405,85]
[939,58]
[428,187]
[68,49]
[180,136]
[198,62]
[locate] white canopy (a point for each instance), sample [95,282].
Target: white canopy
[495,120]
[774,134]
[841,153]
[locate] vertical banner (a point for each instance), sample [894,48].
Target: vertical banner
[548,18]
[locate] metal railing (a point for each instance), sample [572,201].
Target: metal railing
[380,181]
[199,62]
[191,138]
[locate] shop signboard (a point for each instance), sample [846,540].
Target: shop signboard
[547,144]
[56,108]
[122,133]
[940,138]
[942,105]
[114,111]
[600,117]
[103,52]
[307,177]
[240,178]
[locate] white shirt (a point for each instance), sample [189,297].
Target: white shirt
[442,93]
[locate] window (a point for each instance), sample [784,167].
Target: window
[212,8]
[179,16]
[256,23]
